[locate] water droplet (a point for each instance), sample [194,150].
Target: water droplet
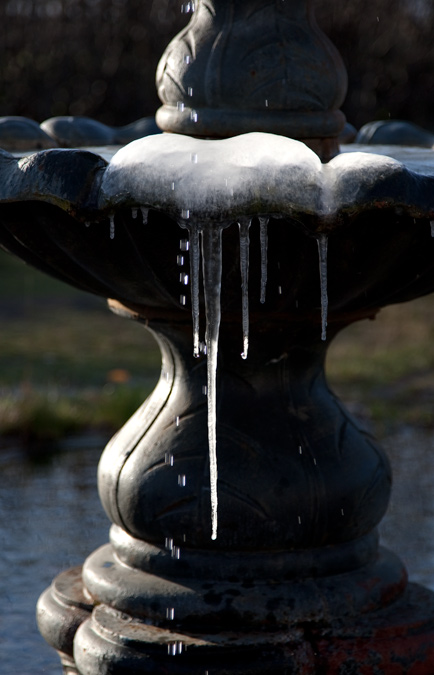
[176,552]
[180,260]
[134,213]
[190,91]
[112,226]
[170,613]
[184,244]
[182,480]
[168,457]
[144,212]
[180,106]
[185,213]
[182,299]
[174,648]
[193,157]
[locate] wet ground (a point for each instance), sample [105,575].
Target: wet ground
[51,519]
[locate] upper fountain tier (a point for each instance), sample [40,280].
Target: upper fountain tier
[374,209]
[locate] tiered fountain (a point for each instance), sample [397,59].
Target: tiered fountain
[244,498]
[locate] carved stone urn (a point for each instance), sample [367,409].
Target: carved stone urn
[252,65]
[216,244]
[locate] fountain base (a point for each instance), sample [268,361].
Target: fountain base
[357,637]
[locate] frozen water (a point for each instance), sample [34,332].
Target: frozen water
[266,172]
[212,276]
[263,234]
[244,226]
[322,250]
[194,274]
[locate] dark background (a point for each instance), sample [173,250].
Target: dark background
[98,57]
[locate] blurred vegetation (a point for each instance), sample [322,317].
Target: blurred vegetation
[67,364]
[98,57]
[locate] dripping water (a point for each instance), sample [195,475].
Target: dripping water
[244,226]
[322,240]
[263,237]
[112,226]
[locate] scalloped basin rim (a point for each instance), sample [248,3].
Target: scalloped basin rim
[221,180]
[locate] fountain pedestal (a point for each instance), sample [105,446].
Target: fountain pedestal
[295,581]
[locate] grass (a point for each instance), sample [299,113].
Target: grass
[385,368]
[68,365]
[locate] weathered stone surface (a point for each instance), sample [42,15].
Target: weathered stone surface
[395,132]
[22,134]
[253,66]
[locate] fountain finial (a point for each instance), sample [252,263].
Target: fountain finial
[249,65]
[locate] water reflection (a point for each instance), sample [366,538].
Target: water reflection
[51,519]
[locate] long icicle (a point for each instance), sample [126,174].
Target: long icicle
[322,241]
[244,225]
[263,238]
[212,276]
[194,232]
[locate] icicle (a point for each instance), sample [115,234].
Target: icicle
[263,237]
[322,240]
[212,275]
[244,226]
[112,226]
[145,212]
[431,222]
[194,248]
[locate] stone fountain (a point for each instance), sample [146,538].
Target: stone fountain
[244,498]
